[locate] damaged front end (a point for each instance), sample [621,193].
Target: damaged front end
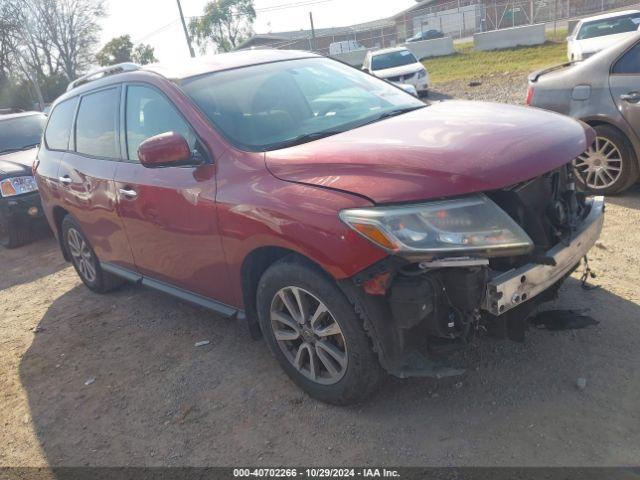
[460,266]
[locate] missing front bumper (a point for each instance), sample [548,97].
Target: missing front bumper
[512,288]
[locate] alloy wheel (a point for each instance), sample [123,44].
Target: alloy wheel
[601,165]
[308,335]
[82,256]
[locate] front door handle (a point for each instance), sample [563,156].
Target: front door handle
[631,97]
[66,180]
[129,193]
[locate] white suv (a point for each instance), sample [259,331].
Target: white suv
[398,65]
[597,33]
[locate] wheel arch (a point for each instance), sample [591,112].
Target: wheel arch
[59,214]
[253,267]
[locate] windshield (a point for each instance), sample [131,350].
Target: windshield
[275,105]
[392,60]
[19,133]
[609,26]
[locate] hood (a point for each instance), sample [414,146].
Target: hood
[448,148]
[17,163]
[593,45]
[397,71]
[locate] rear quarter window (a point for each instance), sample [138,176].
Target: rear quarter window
[58,129]
[96,124]
[629,63]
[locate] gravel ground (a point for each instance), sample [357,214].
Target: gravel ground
[503,88]
[116,379]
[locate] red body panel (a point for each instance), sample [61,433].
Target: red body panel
[91,199]
[448,148]
[258,210]
[172,227]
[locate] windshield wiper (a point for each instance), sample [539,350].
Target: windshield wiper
[307,137]
[393,113]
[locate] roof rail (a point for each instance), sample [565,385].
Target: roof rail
[103,72]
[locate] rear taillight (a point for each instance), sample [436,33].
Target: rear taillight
[529,95]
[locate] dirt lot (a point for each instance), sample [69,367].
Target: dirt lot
[156,399]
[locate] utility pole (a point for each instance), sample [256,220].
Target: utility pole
[313,32]
[186,32]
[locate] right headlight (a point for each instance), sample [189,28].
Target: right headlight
[457,227]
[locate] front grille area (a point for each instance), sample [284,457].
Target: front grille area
[401,78]
[548,207]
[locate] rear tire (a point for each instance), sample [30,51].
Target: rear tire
[610,165]
[84,259]
[344,369]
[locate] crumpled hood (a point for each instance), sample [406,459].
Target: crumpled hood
[448,148]
[17,163]
[591,45]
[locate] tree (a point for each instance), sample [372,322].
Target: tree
[116,50]
[225,24]
[120,49]
[143,54]
[74,30]
[46,43]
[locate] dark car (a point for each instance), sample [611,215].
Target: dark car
[20,209]
[352,225]
[426,35]
[604,92]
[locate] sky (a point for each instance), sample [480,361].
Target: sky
[157,22]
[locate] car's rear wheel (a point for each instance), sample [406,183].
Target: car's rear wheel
[315,333]
[12,234]
[84,259]
[609,166]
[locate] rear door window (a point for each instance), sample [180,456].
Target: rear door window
[629,63]
[148,114]
[96,124]
[60,123]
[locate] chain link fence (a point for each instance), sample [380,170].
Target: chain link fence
[457,19]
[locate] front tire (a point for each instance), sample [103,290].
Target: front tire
[14,234]
[315,334]
[610,165]
[84,259]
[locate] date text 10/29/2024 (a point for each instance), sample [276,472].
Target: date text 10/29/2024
[315,472]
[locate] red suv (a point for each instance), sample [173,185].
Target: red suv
[355,227]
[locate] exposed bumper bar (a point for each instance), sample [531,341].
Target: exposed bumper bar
[510,289]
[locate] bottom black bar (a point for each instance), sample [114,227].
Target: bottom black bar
[206,473]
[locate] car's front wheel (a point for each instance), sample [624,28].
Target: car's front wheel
[610,165]
[13,234]
[84,259]
[315,333]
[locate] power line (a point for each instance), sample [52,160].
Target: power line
[275,8]
[154,32]
[286,6]
[272,8]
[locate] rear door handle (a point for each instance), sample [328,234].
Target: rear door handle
[631,97]
[129,193]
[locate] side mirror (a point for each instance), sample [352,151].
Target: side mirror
[165,150]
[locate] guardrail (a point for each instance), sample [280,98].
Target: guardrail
[510,37]
[431,48]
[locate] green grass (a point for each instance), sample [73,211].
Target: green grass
[467,64]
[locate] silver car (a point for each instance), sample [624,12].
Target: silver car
[603,91]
